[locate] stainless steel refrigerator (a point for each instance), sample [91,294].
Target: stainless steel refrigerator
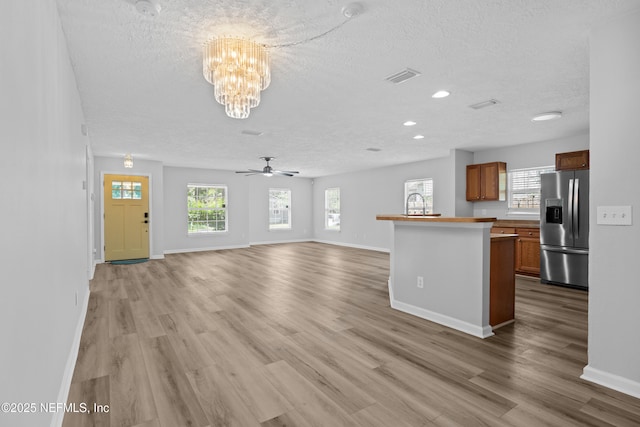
[564,228]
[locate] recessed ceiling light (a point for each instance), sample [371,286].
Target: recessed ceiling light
[251,132]
[418,137]
[551,115]
[441,94]
[409,123]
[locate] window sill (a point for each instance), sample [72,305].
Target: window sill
[523,214]
[208,234]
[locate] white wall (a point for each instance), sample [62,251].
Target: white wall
[614,290]
[247,209]
[44,244]
[365,194]
[152,169]
[301,208]
[524,156]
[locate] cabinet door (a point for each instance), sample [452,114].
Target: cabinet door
[473,182]
[575,160]
[489,174]
[494,181]
[528,252]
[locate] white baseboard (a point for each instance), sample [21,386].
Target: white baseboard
[213,248]
[352,245]
[476,331]
[276,242]
[612,381]
[63,394]
[157,256]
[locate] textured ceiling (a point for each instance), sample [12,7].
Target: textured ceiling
[141,84]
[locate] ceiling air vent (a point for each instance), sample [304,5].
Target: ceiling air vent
[483,104]
[402,76]
[374,149]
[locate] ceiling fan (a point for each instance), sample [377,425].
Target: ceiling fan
[267,170]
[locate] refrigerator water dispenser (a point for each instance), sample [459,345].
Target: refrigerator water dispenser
[554,211]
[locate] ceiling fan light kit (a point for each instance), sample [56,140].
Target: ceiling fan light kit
[267,170]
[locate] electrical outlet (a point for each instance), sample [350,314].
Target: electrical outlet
[613,215]
[420,282]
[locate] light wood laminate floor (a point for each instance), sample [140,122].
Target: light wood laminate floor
[302,335]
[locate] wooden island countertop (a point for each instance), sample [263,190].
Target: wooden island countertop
[432,218]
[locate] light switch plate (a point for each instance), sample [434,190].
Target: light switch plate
[614,215]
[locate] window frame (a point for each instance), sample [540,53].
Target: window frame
[287,208]
[224,209]
[328,210]
[428,198]
[520,210]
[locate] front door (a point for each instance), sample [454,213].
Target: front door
[126,217]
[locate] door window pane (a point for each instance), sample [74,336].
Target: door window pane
[126,190]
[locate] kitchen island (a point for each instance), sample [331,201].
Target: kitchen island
[441,271]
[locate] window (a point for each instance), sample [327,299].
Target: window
[126,190]
[424,187]
[207,208]
[279,209]
[332,209]
[524,190]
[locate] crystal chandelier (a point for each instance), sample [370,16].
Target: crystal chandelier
[238,69]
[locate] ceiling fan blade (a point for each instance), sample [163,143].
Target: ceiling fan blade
[251,171]
[282,173]
[286,172]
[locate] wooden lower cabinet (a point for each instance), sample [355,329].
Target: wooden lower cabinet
[528,251]
[527,256]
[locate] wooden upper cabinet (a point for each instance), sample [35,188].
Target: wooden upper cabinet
[487,181]
[473,182]
[574,160]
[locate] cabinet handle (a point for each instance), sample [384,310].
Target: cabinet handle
[530,234]
[584,164]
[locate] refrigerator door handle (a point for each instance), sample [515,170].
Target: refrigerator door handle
[576,210]
[570,208]
[564,250]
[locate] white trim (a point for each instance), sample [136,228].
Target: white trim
[212,248]
[275,242]
[477,331]
[612,381]
[351,245]
[63,393]
[157,256]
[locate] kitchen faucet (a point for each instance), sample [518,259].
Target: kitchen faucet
[424,204]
